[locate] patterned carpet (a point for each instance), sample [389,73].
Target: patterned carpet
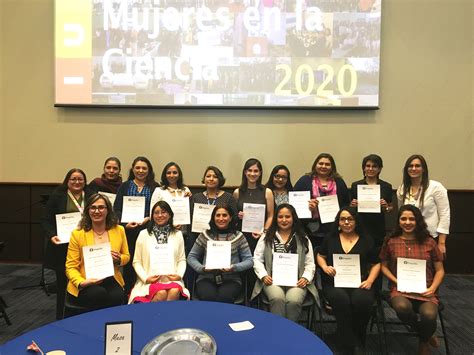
[31,308]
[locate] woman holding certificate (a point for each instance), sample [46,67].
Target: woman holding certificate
[159,259]
[219,255]
[413,263]
[65,203]
[251,191]
[374,200]
[171,184]
[97,287]
[428,195]
[280,184]
[323,182]
[111,179]
[350,266]
[285,236]
[132,207]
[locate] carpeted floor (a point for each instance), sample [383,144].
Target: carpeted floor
[31,308]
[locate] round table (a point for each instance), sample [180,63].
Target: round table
[84,334]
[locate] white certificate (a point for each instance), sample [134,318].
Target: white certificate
[180,208]
[110,196]
[368,198]
[218,254]
[65,224]
[201,217]
[133,209]
[299,200]
[98,262]
[254,217]
[411,275]
[285,269]
[347,270]
[328,208]
[161,259]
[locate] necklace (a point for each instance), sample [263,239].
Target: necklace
[405,243]
[208,198]
[99,235]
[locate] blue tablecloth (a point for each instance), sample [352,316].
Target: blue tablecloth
[84,334]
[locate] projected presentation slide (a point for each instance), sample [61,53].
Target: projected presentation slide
[216,53]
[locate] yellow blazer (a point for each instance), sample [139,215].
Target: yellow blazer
[75,270]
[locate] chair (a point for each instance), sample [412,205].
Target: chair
[308,307]
[385,296]
[72,307]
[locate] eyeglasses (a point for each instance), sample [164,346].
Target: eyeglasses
[160,213]
[76,180]
[98,208]
[346,220]
[280,177]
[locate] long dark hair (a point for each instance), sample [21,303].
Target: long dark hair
[111,219]
[164,181]
[63,185]
[359,228]
[271,185]
[425,180]
[421,228]
[334,174]
[297,228]
[150,179]
[164,206]
[232,228]
[244,184]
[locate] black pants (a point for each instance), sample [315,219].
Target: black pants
[61,283]
[407,310]
[106,294]
[352,308]
[227,292]
[129,275]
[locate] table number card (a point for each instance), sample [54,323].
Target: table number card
[118,338]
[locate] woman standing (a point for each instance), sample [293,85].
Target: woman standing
[351,306]
[251,190]
[171,185]
[221,285]
[141,182]
[323,180]
[412,240]
[285,235]
[279,182]
[111,179]
[98,225]
[374,223]
[430,196]
[69,197]
[152,285]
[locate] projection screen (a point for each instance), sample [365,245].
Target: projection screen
[196,53]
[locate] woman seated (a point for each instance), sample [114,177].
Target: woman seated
[158,279]
[411,239]
[98,225]
[351,304]
[221,285]
[285,235]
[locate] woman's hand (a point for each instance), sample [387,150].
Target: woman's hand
[152,279]
[131,225]
[241,214]
[88,282]
[354,203]
[117,257]
[302,282]
[330,270]
[267,280]
[174,277]
[256,235]
[430,292]
[145,221]
[366,285]
[55,240]
[188,194]
[229,269]
[313,204]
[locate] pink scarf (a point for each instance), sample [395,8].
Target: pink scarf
[330,189]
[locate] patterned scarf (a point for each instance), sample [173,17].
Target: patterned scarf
[161,233]
[320,190]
